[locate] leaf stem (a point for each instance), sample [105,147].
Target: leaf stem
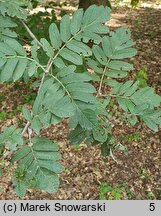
[101,82]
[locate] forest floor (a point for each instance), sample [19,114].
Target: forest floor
[135,175]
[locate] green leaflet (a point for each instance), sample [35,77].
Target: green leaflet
[26,114]
[116,73]
[43,144]
[122,103]
[89,35]
[71,56]
[6,22]
[32,68]
[65,28]
[95,66]
[47,118]
[38,163]
[14,63]
[152,118]
[82,87]
[11,138]
[94,15]
[151,123]
[20,187]
[36,125]
[106,45]
[99,54]
[5,49]
[13,9]
[2,62]
[7,72]
[58,62]
[100,134]
[62,108]
[47,180]
[20,69]
[39,98]
[76,21]
[79,47]
[34,50]
[86,118]
[149,96]
[118,44]
[47,47]
[139,102]
[125,87]
[125,53]
[55,36]
[6,33]
[20,154]
[120,65]
[55,167]
[15,46]
[77,136]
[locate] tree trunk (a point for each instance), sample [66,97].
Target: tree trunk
[86,3]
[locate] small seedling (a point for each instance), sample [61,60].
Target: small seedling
[142,77]
[106,192]
[3,116]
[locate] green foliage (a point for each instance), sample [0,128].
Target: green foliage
[11,138]
[37,166]
[134,3]
[130,99]
[3,115]
[142,77]
[29,98]
[1,172]
[57,66]
[106,192]
[2,97]
[14,63]
[103,189]
[38,24]
[135,137]
[13,8]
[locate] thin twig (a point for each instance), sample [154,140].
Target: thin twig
[25,128]
[31,34]
[48,66]
[50,62]
[42,80]
[45,73]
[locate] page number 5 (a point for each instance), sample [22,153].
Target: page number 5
[152,206]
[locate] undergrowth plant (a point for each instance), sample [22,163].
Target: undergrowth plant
[107,192]
[67,71]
